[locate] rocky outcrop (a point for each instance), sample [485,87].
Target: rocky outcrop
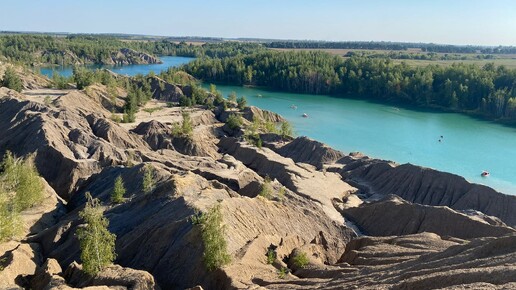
[392,216]
[114,275]
[164,91]
[427,186]
[251,112]
[17,260]
[127,56]
[306,150]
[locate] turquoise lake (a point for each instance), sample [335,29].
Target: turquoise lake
[468,146]
[130,70]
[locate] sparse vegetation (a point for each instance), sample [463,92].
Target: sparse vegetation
[148,179]
[20,189]
[117,195]
[185,129]
[271,256]
[234,121]
[152,110]
[267,190]
[47,100]
[213,231]
[97,243]
[286,129]
[12,80]
[241,102]
[282,273]
[300,260]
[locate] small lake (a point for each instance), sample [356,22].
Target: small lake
[130,70]
[468,146]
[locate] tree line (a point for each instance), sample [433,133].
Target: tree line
[382,45]
[73,49]
[489,90]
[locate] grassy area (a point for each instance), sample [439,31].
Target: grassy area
[508,60]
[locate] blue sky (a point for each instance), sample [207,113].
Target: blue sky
[487,22]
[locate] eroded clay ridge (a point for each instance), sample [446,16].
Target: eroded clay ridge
[361,222]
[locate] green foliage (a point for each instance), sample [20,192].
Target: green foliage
[286,129]
[267,190]
[459,87]
[213,231]
[47,100]
[60,82]
[282,272]
[97,243]
[300,260]
[10,221]
[148,179]
[232,97]
[234,121]
[152,110]
[242,102]
[117,195]
[83,77]
[12,80]
[281,193]
[271,256]
[21,177]
[185,129]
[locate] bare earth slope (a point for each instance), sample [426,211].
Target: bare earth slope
[426,243]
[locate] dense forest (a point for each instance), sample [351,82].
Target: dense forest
[488,90]
[425,47]
[45,49]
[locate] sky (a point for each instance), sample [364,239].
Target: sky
[475,22]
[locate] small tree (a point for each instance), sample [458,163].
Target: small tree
[117,195]
[213,231]
[186,125]
[242,102]
[286,129]
[267,190]
[97,243]
[12,80]
[234,121]
[10,221]
[148,179]
[232,97]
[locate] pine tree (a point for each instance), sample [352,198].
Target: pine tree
[117,196]
[12,80]
[97,243]
[148,180]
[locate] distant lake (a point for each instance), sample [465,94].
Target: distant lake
[130,70]
[468,146]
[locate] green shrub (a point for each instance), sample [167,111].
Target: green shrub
[242,102]
[96,242]
[215,245]
[271,256]
[300,260]
[148,179]
[282,273]
[12,80]
[267,190]
[10,221]
[286,129]
[21,177]
[234,121]
[117,195]
[185,129]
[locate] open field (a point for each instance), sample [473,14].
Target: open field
[508,60]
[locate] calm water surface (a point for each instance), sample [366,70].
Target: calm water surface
[468,145]
[130,70]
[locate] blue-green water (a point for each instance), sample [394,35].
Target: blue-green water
[130,70]
[468,146]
